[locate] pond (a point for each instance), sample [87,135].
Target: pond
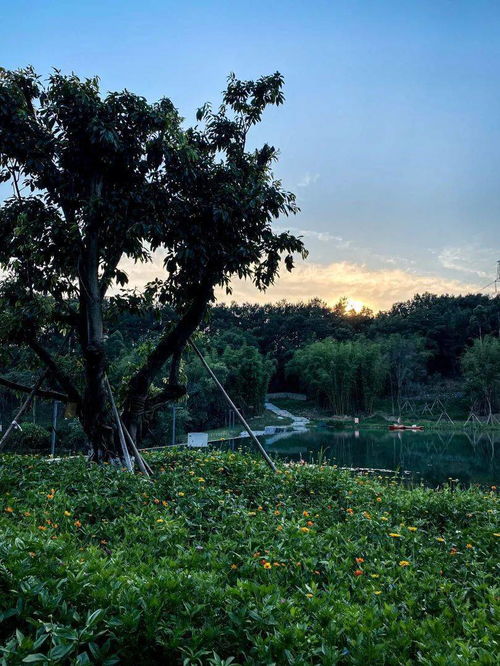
[431,456]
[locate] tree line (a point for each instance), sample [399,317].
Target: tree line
[343,360]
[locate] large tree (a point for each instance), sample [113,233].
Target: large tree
[102,179]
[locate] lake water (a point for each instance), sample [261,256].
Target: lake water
[430,456]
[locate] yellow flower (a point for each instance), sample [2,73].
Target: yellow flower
[497,534]
[164,503]
[384,518]
[379,499]
[234,566]
[309,595]
[412,529]
[259,508]
[279,528]
[251,513]
[277,513]
[377,592]
[469,545]
[367,515]
[9,509]
[375,575]
[394,535]
[304,529]
[201,480]
[67,513]
[404,563]
[181,494]
[440,539]
[267,565]
[160,520]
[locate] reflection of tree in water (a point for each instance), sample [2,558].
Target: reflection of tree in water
[435,456]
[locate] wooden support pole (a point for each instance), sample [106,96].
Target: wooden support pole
[24,406]
[233,407]
[126,456]
[143,465]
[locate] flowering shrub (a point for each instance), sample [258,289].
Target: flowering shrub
[219,558]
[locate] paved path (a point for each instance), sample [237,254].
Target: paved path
[299,421]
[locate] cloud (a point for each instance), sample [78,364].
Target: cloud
[472,259]
[378,289]
[308,179]
[323,236]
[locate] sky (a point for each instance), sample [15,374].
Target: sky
[389,136]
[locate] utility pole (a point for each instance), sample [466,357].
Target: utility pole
[174,412]
[55,405]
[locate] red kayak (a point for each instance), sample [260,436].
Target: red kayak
[398,426]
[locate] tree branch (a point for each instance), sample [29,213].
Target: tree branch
[40,393]
[72,393]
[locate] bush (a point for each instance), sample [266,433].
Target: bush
[219,558]
[31,437]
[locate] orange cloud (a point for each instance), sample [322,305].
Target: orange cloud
[376,288]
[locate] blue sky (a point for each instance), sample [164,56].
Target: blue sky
[390,135]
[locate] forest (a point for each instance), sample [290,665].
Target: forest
[346,362]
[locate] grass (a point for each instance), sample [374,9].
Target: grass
[220,561]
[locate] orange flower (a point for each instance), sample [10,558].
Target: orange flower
[9,509]
[360,560]
[358,572]
[305,513]
[350,511]
[453,551]
[310,522]
[234,566]
[42,527]
[77,523]
[305,530]
[469,545]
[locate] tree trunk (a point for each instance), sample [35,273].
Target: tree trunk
[169,347]
[96,418]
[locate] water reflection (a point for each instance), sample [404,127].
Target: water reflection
[471,457]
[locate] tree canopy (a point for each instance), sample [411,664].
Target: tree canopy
[99,179]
